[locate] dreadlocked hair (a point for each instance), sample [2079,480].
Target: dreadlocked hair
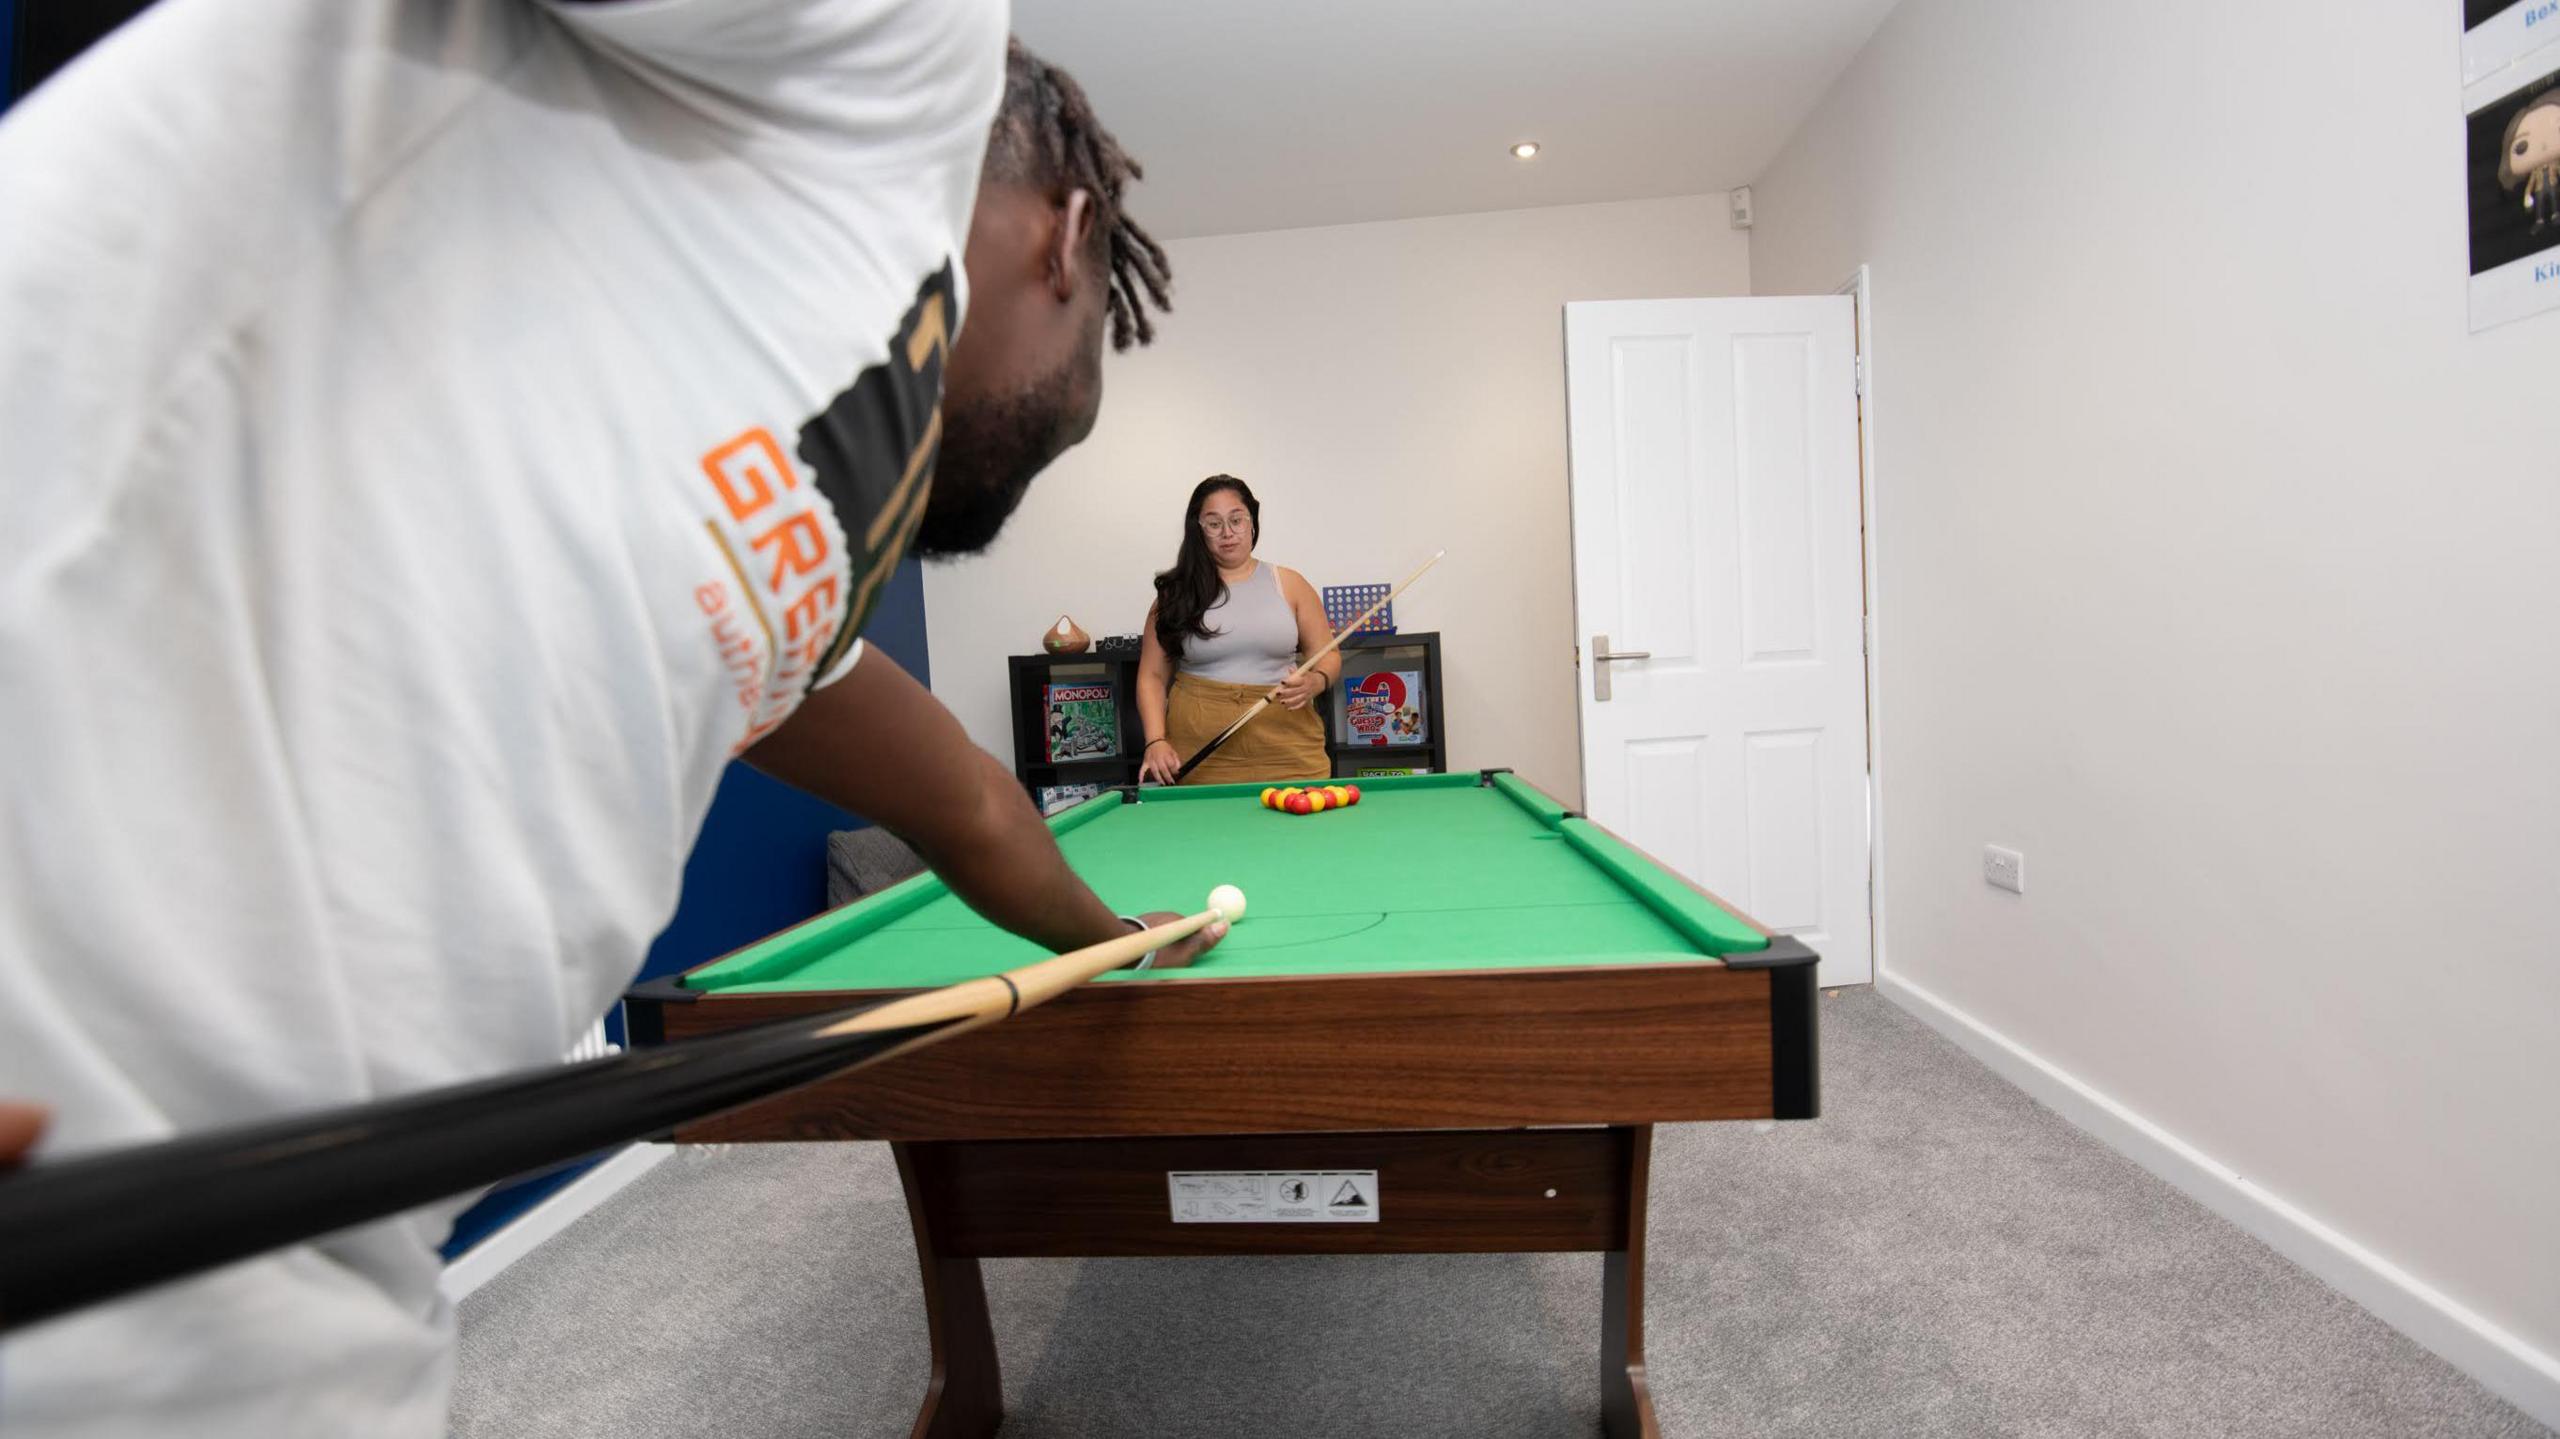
[1046,134]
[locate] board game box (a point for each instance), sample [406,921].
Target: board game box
[1055,797]
[1383,707]
[1082,721]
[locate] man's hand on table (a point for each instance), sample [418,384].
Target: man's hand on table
[1180,955]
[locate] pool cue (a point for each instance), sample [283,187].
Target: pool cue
[90,1229]
[1304,665]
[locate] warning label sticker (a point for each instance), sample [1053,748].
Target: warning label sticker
[1273,1196]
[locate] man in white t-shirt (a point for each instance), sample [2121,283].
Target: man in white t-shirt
[435,439]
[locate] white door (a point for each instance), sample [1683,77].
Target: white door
[1719,587]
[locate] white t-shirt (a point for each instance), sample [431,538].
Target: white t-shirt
[434,438]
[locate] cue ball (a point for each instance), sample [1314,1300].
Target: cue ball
[1228,900]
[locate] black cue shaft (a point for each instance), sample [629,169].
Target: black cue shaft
[98,1227]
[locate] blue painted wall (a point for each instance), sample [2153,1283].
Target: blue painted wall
[761,861]
[759,865]
[8,52]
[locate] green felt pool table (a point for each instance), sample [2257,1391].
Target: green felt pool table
[1455,1003]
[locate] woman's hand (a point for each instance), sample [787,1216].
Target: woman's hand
[1298,691]
[1160,764]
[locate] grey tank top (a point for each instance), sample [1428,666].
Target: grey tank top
[1253,638]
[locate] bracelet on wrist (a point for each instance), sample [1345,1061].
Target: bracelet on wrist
[1147,960]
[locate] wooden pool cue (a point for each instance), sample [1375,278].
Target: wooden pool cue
[99,1227]
[1304,665]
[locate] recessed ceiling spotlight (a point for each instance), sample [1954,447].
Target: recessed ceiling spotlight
[1525,150]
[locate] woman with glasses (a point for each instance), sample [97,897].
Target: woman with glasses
[1224,630]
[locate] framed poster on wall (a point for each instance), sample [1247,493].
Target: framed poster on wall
[2498,33]
[2511,157]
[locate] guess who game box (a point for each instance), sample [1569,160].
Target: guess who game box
[1383,708]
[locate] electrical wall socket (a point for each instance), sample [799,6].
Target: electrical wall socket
[2004,869]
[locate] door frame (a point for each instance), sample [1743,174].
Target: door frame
[1859,286]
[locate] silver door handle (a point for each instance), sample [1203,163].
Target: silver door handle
[1601,654]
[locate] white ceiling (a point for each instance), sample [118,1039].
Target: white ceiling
[1271,114]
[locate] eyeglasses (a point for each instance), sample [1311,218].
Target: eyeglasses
[1218,526]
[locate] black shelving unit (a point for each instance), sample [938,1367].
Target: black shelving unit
[1368,654]
[1030,676]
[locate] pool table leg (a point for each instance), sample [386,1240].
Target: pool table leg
[964,1396]
[1626,1404]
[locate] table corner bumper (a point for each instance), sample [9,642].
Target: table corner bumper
[1795,1046]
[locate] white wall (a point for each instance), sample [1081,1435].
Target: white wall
[1388,390]
[2219,572]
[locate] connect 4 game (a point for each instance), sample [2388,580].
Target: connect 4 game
[1344,603]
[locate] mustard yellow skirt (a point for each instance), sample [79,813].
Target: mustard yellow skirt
[1281,745]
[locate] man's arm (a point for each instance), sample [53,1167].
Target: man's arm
[877,743]
[873,73]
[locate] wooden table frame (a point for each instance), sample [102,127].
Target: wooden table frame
[1506,1111]
[1470,1191]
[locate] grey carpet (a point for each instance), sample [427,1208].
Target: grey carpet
[1937,1255]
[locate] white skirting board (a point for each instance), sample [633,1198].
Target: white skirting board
[2510,1368]
[483,1261]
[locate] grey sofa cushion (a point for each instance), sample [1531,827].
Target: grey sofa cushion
[866,861]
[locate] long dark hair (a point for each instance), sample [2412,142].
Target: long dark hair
[1185,592]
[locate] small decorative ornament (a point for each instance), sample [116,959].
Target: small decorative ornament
[2529,159]
[1065,638]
